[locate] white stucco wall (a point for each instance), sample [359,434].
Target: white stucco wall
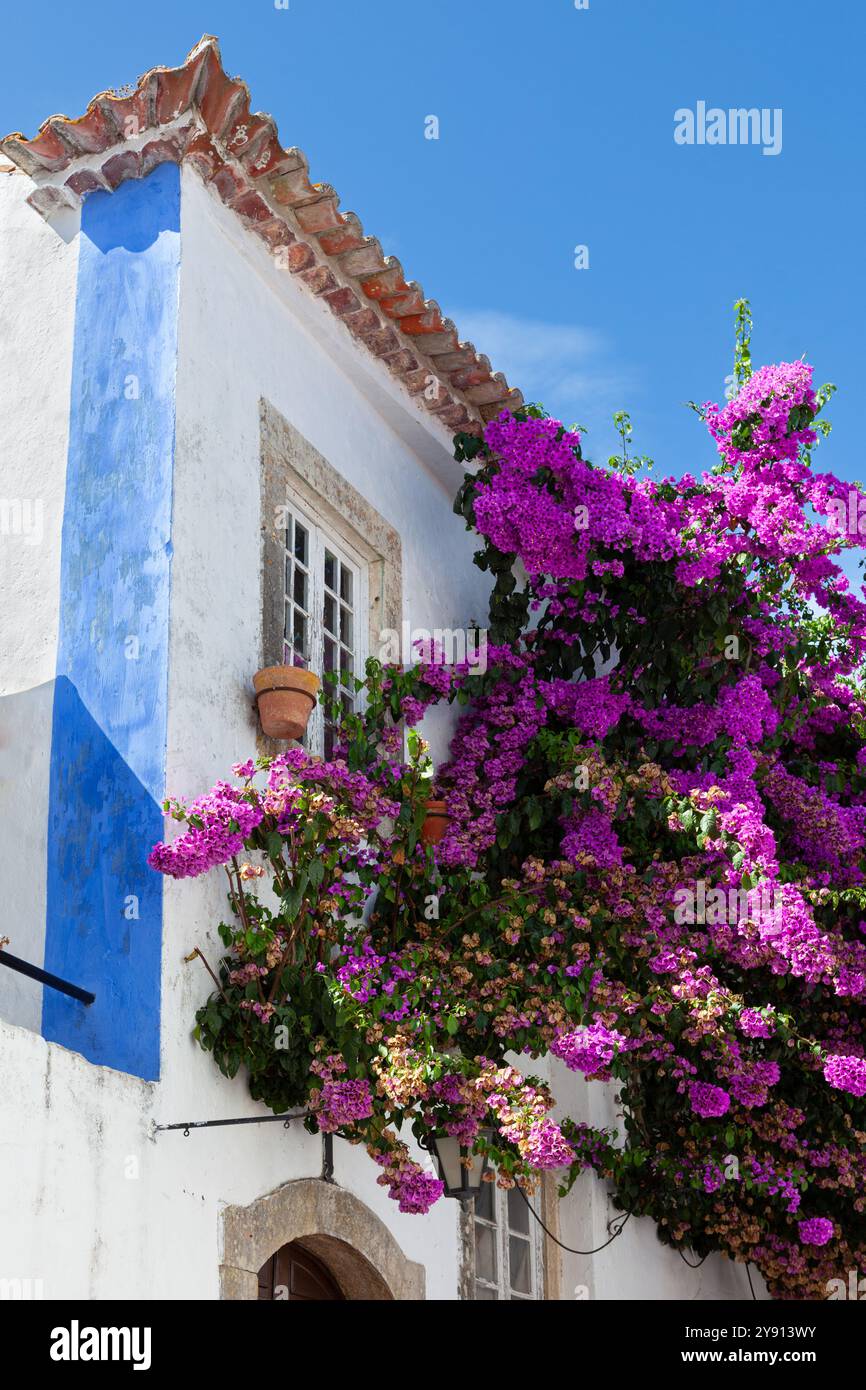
[38,267]
[91,1203]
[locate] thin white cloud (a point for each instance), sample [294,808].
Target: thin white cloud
[568,368]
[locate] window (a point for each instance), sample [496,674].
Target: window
[363,582]
[507,1246]
[325,618]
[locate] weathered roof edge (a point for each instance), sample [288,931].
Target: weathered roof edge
[201,116]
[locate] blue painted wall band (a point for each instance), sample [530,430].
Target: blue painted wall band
[109,719]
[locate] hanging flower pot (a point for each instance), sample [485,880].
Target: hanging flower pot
[285,696]
[435,822]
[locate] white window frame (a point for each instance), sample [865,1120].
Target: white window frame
[321,538]
[501,1287]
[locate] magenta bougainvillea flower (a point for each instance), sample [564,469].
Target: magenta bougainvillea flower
[817,1231]
[708,1101]
[846,1074]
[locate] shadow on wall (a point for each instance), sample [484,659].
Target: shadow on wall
[104,905]
[77,820]
[25,754]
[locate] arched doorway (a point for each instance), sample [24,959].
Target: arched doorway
[295,1275]
[323,1222]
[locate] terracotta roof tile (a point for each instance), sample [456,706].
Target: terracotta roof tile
[401,361]
[362,321]
[87,181]
[199,115]
[347,237]
[300,256]
[319,278]
[126,164]
[276,233]
[382,341]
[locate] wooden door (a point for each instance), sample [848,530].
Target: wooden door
[294,1274]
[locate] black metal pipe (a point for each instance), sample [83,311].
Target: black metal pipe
[35,972]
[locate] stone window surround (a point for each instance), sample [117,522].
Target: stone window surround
[350,1240]
[291,466]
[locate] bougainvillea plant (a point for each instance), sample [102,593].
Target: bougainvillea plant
[654,867]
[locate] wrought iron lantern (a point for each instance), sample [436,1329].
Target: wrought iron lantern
[461,1170]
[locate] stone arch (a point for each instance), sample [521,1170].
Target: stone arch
[335,1226]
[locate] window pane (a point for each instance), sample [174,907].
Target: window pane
[485,1252]
[521,1266]
[518,1212]
[483,1294]
[320,625]
[299,634]
[299,589]
[331,614]
[484,1202]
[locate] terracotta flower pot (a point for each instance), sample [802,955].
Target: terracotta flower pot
[285,696]
[435,822]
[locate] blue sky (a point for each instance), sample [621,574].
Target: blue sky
[556,129]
